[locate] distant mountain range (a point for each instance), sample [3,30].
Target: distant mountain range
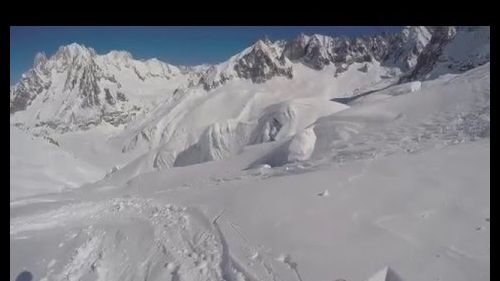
[176,115]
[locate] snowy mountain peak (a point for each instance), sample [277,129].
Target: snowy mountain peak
[418,35]
[261,45]
[119,55]
[268,47]
[40,60]
[74,50]
[321,39]
[78,89]
[303,37]
[260,62]
[413,31]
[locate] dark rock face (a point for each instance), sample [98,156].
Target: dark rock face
[429,57]
[259,66]
[364,68]
[261,63]
[109,98]
[89,89]
[26,90]
[296,48]
[318,51]
[121,96]
[82,85]
[209,84]
[316,55]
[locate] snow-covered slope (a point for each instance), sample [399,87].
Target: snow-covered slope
[451,108]
[316,159]
[178,127]
[408,184]
[37,166]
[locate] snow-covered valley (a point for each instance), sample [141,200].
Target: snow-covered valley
[371,169]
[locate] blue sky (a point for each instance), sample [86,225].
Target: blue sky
[175,45]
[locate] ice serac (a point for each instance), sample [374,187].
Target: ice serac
[285,119]
[278,122]
[218,141]
[302,145]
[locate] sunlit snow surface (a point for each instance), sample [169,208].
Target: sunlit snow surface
[394,185]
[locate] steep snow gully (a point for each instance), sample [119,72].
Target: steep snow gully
[316,159]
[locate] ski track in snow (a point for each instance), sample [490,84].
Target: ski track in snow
[184,244]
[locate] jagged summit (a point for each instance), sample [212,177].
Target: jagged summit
[74,50]
[258,63]
[119,55]
[85,89]
[40,59]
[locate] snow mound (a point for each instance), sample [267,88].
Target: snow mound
[324,193]
[385,274]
